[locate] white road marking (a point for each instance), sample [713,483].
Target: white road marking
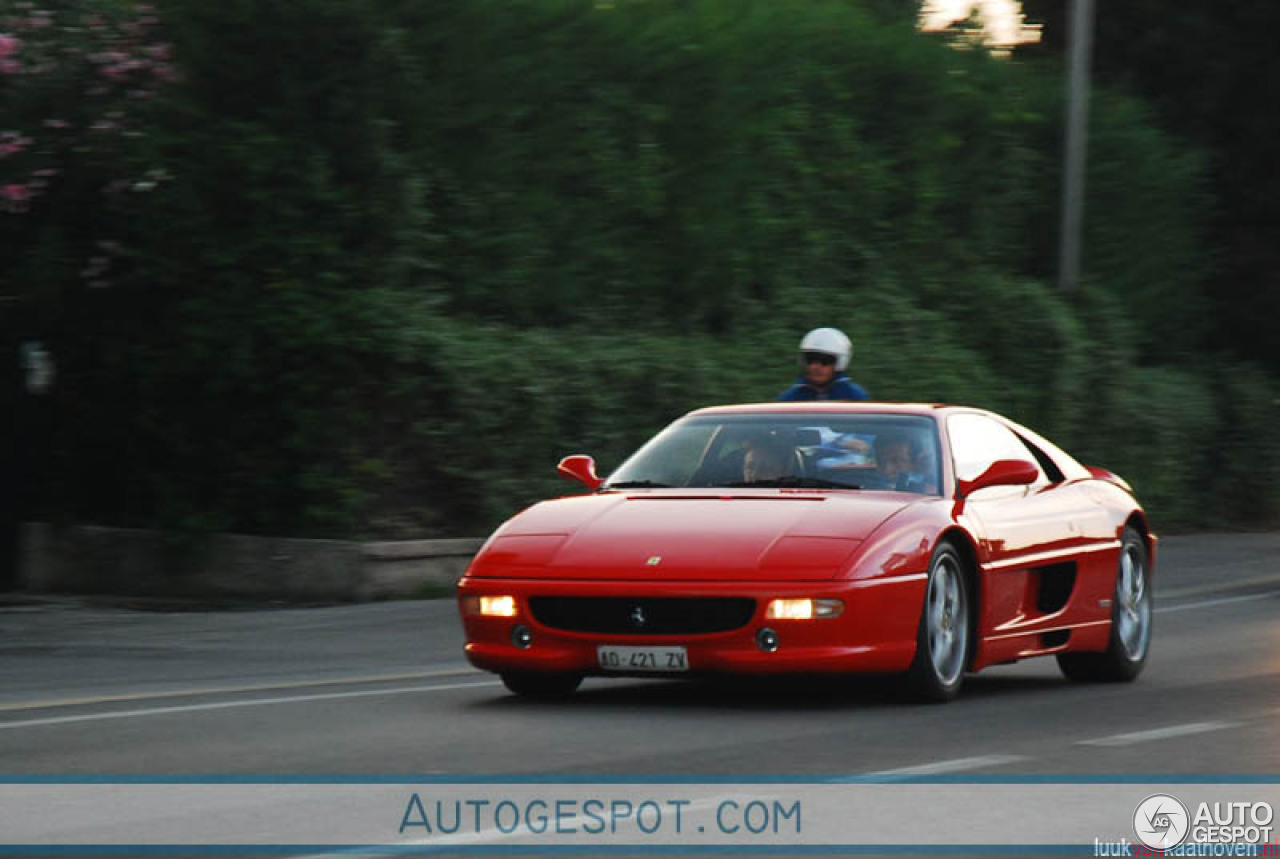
[1200,590]
[1207,603]
[1159,734]
[233,690]
[252,702]
[956,765]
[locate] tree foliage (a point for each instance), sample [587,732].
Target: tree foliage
[406,255]
[1211,73]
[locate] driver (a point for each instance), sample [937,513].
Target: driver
[767,458]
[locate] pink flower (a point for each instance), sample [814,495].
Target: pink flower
[8,45]
[11,143]
[16,193]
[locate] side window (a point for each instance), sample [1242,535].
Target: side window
[1047,465]
[977,441]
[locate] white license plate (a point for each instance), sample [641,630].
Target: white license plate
[642,658]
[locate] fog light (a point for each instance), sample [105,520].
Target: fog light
[521,637]
[803,609]
[767,640]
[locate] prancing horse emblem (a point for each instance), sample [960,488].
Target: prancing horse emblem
[654,561]
[637,617]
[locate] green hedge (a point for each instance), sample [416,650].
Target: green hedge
[403,256]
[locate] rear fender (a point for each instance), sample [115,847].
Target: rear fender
[1110,477]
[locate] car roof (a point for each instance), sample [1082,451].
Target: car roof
[841,408]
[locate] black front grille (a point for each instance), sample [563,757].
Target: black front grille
[643,615]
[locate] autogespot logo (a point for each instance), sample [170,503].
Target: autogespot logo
[1161,821]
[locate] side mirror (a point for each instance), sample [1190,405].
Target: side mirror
[580,468]
[1002,472]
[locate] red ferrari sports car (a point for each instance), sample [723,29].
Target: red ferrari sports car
[925,540]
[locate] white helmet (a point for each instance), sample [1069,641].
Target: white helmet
[830,341]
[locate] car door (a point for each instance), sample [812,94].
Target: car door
[1030,537]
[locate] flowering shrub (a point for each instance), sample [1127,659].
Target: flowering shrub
[76,82]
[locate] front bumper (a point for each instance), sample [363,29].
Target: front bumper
[875,634]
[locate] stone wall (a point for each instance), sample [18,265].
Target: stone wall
[140,563]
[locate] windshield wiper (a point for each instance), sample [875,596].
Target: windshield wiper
[636,484]
[793,483]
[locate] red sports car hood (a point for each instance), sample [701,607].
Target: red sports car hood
[688,536]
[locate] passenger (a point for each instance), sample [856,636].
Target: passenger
[902,463]
[824,357]
[924,464]
[893,459]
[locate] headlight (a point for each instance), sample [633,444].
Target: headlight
[487,606]
[803,609]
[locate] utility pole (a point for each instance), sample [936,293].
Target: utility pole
[1076,142]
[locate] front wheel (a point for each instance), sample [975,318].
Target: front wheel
[1130,641]
[942,640]
[540,684]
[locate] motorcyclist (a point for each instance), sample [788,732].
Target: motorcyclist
[824,356]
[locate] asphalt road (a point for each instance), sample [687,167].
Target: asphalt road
[383,689]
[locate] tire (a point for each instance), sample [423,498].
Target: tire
[943,638]
[1131,615]
[535,684]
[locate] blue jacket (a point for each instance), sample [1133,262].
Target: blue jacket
[839,388]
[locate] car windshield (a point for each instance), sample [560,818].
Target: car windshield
[885,452]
